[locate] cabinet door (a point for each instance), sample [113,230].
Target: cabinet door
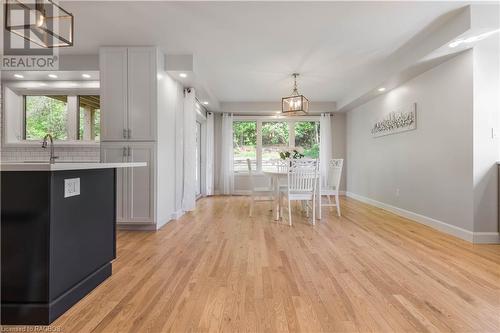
[142,85]
[141,184]
[114,105]
[112,153]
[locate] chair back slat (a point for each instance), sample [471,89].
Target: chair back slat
[279,165]
[302,175]
[334,173]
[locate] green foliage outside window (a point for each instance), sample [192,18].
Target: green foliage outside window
[244,133]
[46,114]
[274,133]
[307,137]
[97,124]
[275,138]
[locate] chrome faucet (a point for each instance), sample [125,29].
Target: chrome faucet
[44,145]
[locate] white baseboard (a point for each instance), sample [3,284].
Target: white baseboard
[177,215]
[246,192]
[136,227]
[474,237]
[486,238]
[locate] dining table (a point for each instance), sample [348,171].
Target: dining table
[278,175]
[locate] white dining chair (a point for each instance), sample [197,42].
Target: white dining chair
[302,179]
[330,185]
[257,194]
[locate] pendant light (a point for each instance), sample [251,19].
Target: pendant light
[42,22]
[296,104]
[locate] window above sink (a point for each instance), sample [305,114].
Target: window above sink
[67,109]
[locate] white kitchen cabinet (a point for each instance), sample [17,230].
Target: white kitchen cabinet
[113,86]
[142,86]
[135,186]
[128,93]
[141,184]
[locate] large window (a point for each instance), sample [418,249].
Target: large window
[262,140]
[245,144]
[46,114]
[275,138]
[67,118]
[90,118]
[307,137]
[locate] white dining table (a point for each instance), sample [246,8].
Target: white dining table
[275,177]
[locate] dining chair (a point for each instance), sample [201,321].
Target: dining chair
[257,193]
[330,185]
[302,179]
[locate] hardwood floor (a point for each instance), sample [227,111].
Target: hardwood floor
[219,270]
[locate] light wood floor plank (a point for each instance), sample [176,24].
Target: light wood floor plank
[218,270]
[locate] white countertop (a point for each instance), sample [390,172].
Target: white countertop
[61,166]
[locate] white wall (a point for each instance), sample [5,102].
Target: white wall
[430,167]
[170,107]
[486,146]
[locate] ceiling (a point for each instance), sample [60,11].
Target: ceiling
[44,75]
[245,51]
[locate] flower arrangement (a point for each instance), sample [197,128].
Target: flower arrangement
[292,153]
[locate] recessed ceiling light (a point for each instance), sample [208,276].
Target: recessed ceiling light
[86,76]
[183,75]
[19,76]
[381,89]
[205,103]
[53,76]
[42,84]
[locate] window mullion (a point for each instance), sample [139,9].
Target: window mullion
[291,133]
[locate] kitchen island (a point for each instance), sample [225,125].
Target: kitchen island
[58,236]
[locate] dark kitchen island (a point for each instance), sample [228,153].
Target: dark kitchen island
[57,234]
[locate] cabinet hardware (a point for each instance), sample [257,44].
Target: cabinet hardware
[124,133]
[124,151]
[129,133]
[128,151]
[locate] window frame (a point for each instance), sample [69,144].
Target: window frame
[259,120]
[73,142]
[13,113]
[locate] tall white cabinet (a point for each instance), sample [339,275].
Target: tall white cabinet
[129,126]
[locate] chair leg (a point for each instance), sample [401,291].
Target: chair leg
[314,209]
[329,202]
[289,212]
[320,203]
[251,206]
[337,203]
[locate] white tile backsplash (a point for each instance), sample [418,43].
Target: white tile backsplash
[79,154]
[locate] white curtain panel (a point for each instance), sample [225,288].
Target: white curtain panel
[189,145]
[226,168]
[325,145]
[209,176]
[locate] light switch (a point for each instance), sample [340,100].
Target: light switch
[71,187]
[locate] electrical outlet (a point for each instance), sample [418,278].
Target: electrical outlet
[71,187]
